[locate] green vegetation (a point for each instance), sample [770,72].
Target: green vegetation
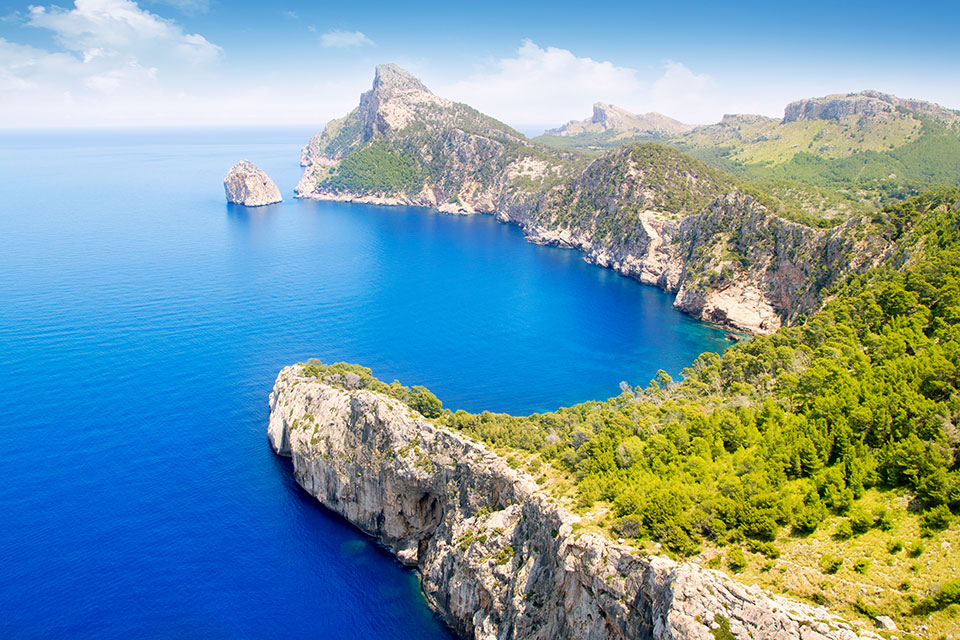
[722,632]
[815,437]
[828,168]
[637,178]
[785,428]
[353,376]
[378,168]
[930,159]
[941,598]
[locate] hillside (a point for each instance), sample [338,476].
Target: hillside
[820,461]
[732,254]
[832,156]
[403,144]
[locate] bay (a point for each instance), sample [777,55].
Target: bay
[142,323]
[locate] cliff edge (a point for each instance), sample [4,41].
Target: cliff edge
[497,557]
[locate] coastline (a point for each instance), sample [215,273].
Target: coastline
[664,276]
[497,557]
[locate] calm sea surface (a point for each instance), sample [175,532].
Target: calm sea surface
[142,323]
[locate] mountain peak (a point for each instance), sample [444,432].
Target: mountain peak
[390,80]
[608,117]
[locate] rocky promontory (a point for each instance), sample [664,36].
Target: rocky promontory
[498,558]
[247,185]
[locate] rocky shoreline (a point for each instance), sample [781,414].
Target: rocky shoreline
[497,557]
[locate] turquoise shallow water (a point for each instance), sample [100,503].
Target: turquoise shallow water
[142,322]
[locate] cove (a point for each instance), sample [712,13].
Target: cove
[142,323]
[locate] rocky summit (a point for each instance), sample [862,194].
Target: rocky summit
[607,117]
[247,185]
[869,104]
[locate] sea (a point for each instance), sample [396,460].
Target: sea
[143,321]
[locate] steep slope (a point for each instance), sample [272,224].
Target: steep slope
[647,211]
[497,557]
[405,145]
[661,217]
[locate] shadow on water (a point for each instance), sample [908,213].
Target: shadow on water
[365,552]
[244,215]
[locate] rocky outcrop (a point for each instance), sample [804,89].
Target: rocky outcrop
[247,185]
[607,117]
[870,104]
[497,558]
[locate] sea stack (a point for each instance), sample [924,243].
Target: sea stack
[247,185]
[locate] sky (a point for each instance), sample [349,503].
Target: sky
[118,63]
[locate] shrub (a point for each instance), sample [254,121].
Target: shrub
[915,549]
[830,564]
[736,560]
[883,520]
[628,527]
[844,530]
[860,520]
[894,546]
[948,594]
[422,400]
[936,519]
[766,548]
[861,566]
[809,517]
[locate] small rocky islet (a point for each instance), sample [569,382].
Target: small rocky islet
[248,185]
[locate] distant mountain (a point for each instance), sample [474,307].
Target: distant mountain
[608,117]
[405,145]
[830,155]
[869,104]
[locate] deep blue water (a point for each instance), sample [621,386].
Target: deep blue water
[142,323]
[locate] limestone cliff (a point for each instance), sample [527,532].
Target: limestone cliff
[608,117]
[647,211]
[497,558]
[247,185]
[867,104]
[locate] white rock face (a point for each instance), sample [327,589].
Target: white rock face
[499,559]
[247,185]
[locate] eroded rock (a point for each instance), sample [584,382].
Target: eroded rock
[247,185]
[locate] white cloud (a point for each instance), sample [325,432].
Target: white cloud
[545,85]
[116,59]
[336,38]
[549,86]
[683,94]
[121,30]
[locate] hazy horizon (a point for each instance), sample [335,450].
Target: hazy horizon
[121,63]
